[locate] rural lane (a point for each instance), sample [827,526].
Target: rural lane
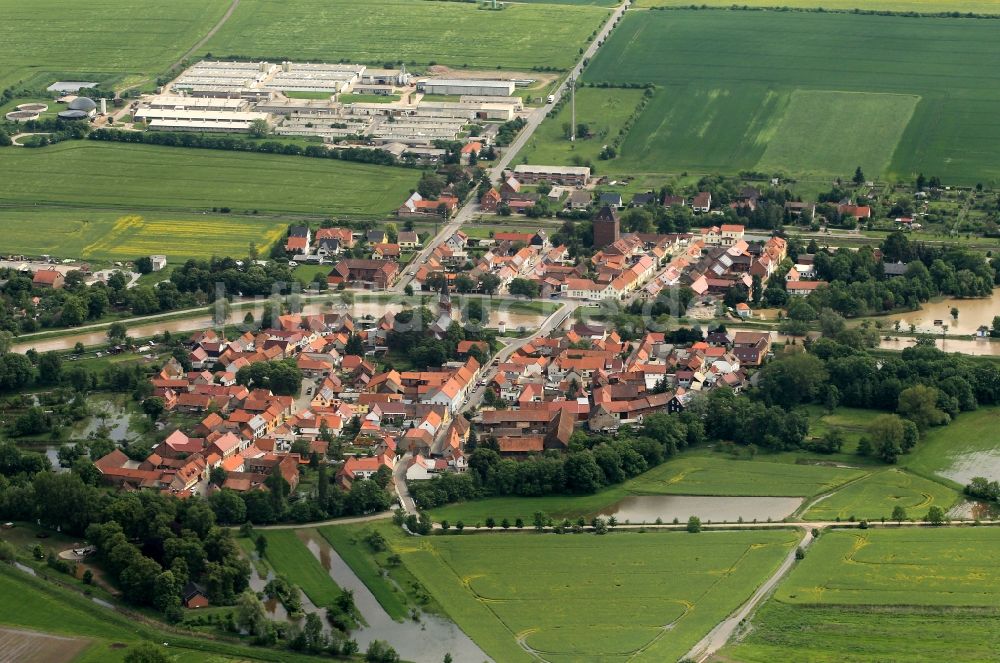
[508,153]
[211,33]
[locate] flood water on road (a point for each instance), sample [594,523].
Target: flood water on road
[426,641]
[647,508]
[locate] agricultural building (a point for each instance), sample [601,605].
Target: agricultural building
[80,108]
[473,87]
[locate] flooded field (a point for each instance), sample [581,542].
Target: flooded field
[647,508]
[981,347]
[965,466]
[426,641]
[972,313]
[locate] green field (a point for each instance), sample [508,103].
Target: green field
[859,635]
[290,557]
[906,566]
[965,448]
[75,38]
[800,145]
[876,495]
[457,34]
[107,176]
[925,6]
[44,607]
[110,236]
[799,103]
[689,474]
[626,596]
[910,594]
[603,110]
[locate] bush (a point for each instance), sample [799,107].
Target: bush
[800,553]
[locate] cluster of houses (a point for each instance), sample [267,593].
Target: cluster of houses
[250,432]
[590,377]
[327,244]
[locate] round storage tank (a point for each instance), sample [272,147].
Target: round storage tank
[84,104]
[74,115]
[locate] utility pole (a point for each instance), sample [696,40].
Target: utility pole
[572,105]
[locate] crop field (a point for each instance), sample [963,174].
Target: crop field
[895,95]
[626,596]
[907,566]
[62,37]
[457,34]
[89,174]
[967,447]
[877,494]
[290,557]
[808,634]
[112,236]
[603,110]
[924,6]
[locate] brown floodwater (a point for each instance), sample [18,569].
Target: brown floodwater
[972,313]
[426,641]
[647,508]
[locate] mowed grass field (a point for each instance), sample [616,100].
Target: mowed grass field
[905,566]
[72,233]
[626,596]
[604,111]
[861,635]
[799,103]
[909,594]
[924,6]
[65,37]
[876,495]
[96,175]
[377,31]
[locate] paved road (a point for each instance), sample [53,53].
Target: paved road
[399,480]
[554,321]
[534,119]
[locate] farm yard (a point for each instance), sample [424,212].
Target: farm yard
[721,111]
[457,34]
[46,37]
[104,176]
[634,603]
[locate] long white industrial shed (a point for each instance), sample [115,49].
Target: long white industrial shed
[469,86]
[198,115]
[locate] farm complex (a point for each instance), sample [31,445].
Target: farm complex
[541,331]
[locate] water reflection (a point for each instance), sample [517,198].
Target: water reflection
[647,508]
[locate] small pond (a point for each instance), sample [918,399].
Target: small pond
[647,508]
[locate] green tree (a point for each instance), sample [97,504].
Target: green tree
[935,516]
[153,407]
[919,404]
[793,379]
[694,524]
[898,513]
[859,176]
[259,128]
[49,367]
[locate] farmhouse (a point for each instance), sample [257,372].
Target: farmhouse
[370,273]
[48,278]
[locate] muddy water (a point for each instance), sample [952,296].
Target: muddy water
[426,641]
[981,347]
[647,508]
[972,313]
[976,510]
[359,310]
